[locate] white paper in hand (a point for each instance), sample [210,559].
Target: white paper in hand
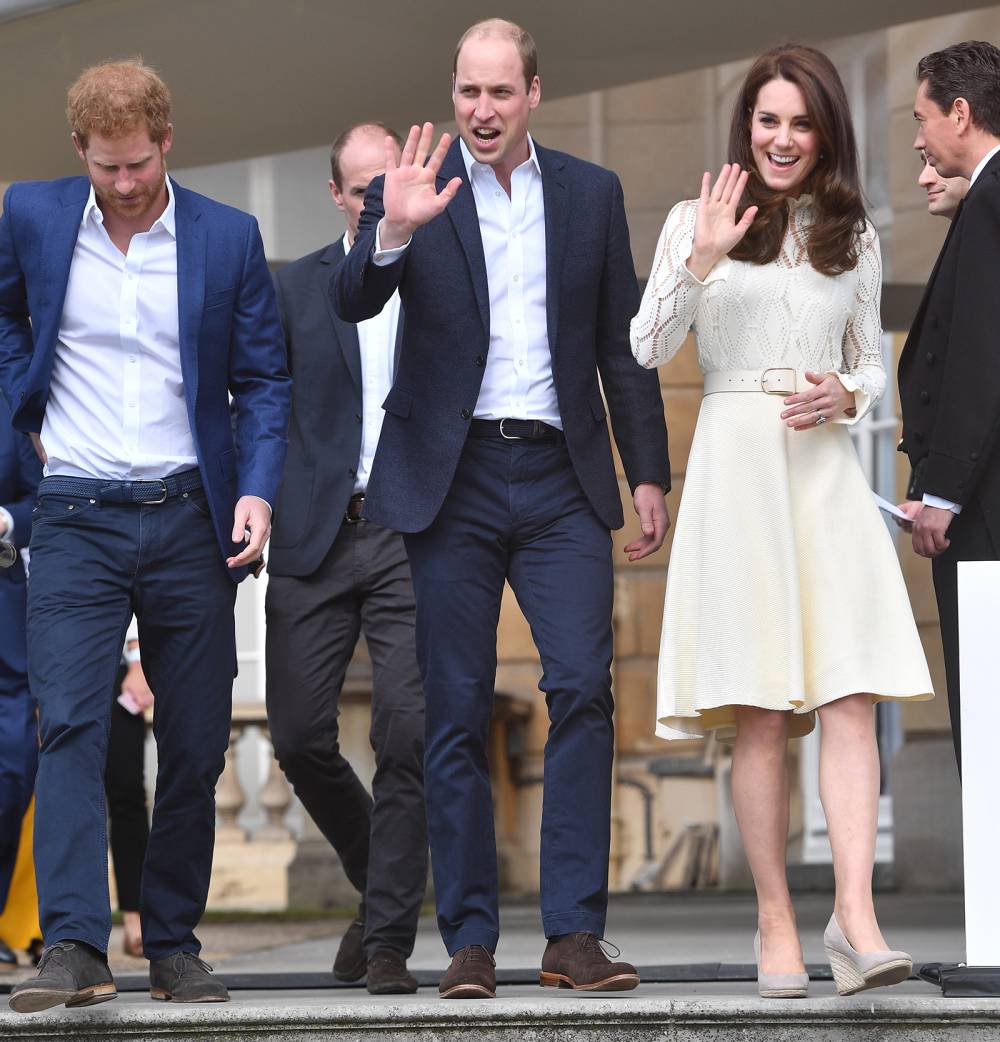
[889,508]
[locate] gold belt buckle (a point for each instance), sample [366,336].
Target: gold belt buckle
[777,369]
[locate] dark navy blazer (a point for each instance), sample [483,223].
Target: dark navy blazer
[592,295]
[324,435]
[20,472]
[230,336]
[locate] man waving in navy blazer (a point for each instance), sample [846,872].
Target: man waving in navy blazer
[514,268]
[130,311]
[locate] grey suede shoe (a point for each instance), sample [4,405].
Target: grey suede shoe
[855,971]
[779,985]
[69,973]
[184,978]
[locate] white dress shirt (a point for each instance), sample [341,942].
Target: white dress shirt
[928,499]
[377,340]
[116,406]
[518,381]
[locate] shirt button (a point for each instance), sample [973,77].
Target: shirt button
[517,278]
[131,358]
[498,193]
[466,414]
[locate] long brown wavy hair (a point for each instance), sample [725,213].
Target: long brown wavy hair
[835,184]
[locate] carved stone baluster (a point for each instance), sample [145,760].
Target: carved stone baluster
[229,794]
[275,798]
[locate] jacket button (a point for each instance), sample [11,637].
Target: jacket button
[918,437]
[466,413]
[925,396]
[480,361]
[929,358]
[973,456]
[357,417]
[352,472]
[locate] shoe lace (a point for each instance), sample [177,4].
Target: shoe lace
[188,958]
[47,953]
[477,953]
[589,942]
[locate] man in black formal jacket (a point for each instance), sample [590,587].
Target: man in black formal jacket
[332,574]
[949,372]
[514,265]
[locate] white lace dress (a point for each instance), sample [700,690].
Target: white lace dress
[783,589]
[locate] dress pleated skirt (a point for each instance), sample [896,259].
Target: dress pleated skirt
[783,590]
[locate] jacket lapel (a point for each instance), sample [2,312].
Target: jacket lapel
[59,242]
[191,247]
[462,211]
[345,332]
[555,192]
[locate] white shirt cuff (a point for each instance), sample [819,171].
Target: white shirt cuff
[941,504]
[383,258]
[6,525]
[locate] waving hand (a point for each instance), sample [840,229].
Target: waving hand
[410,196]
[716,230]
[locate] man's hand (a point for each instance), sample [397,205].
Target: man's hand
[653,519]
[36,440]
[929,528]
[410,196]
[253,516]
[135,685]
[911,508]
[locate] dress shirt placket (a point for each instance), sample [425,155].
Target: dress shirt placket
[131,272]
[515,293]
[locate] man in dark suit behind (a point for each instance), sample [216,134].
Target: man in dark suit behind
[949,371]
[130,310]
[20,472]
[332,574]
[514,268]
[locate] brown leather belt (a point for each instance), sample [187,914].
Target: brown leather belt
[355,505]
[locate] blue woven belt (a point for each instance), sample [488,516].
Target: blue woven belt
[140,493]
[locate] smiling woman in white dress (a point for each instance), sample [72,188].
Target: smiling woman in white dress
[784,595]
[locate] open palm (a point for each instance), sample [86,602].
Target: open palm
[410,196]
[716,229]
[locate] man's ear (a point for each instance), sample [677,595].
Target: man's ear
[80,150]
[336,194]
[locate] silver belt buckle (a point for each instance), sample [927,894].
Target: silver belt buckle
[508,437]
[163,497]
[777,369]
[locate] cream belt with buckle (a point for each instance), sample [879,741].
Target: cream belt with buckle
[781,380]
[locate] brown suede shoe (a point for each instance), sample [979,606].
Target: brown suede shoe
[387,974]
[471,975]
[350,963]
[577,960]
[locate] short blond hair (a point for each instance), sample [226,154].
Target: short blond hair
[117,97]
[520,38]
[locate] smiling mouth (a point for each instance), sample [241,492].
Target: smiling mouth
[485,135]
[782,162]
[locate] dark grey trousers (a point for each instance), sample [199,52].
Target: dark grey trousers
[313,625]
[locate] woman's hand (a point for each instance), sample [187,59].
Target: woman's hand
[827,398]
[716,230]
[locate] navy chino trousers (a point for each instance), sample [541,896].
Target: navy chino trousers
[94,564]
[18,761]
[516,512]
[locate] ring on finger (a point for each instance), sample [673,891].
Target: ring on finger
[820,419]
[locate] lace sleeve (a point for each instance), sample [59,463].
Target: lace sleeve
[864,372]
[672,293]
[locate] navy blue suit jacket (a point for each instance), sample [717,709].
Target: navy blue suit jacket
[591,295]
[230,336]
[20,472]
[324,435]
